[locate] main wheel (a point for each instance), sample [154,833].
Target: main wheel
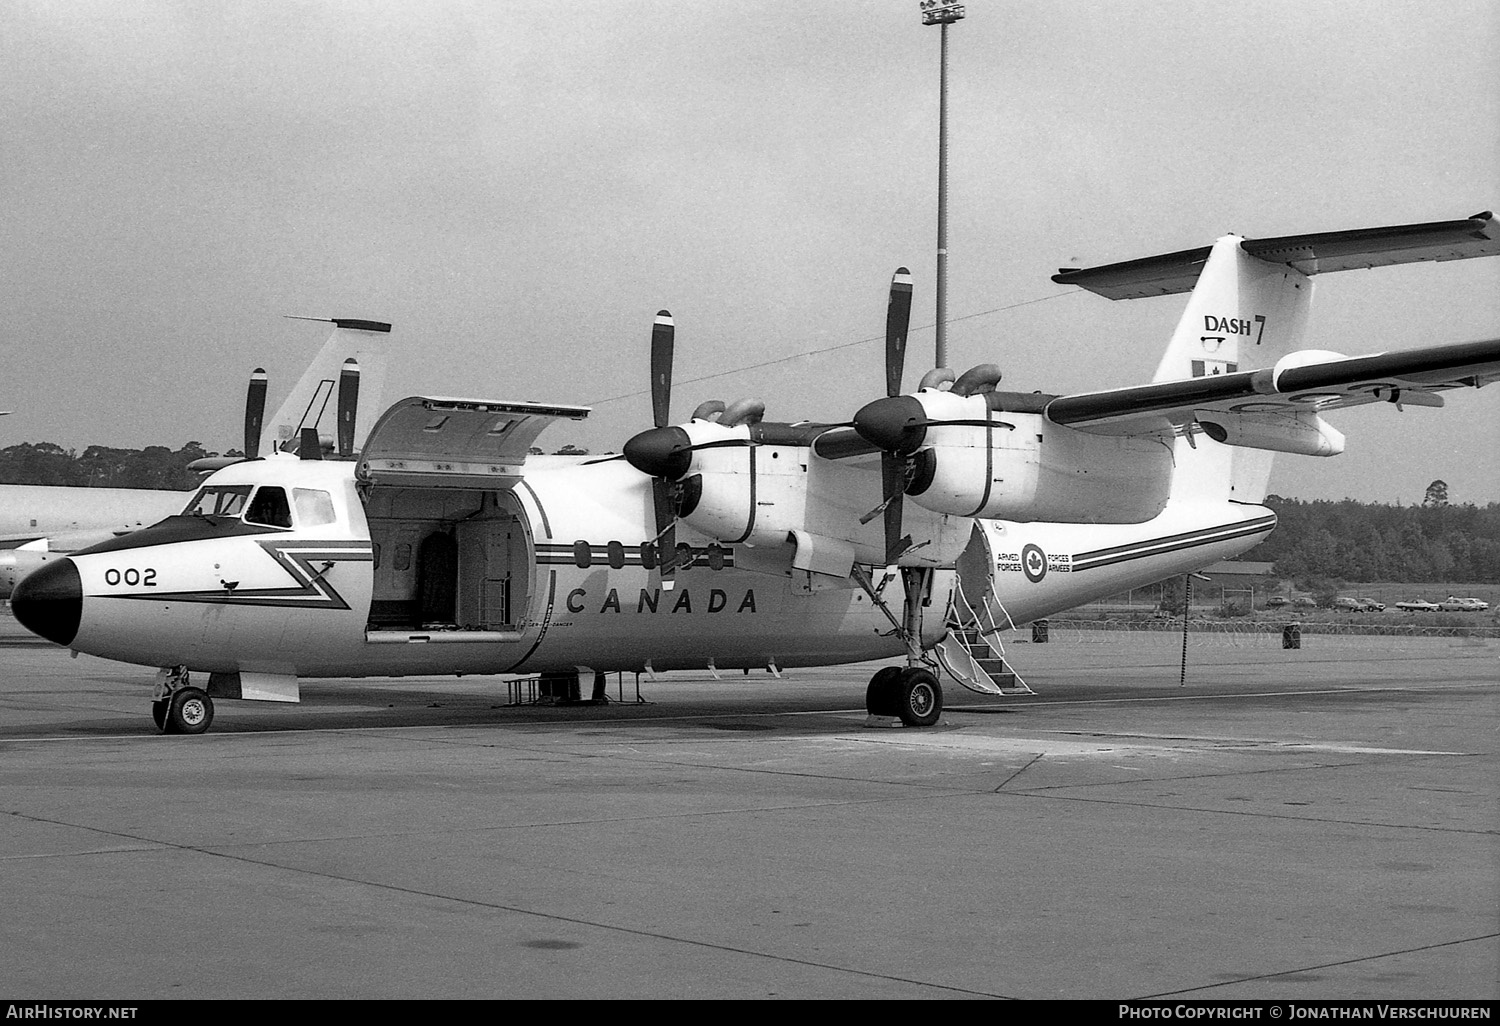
[919,697]
[189,711]
[159,714]
[880,696]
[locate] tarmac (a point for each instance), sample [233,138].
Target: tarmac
[1306,824]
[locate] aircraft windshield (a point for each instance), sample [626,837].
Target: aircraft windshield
[218,501]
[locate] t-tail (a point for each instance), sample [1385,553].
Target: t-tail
[1248,312]
[314,401]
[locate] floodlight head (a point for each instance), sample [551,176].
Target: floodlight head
[940,12]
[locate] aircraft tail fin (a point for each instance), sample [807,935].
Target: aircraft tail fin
[314,400]
[1249,308]
[1244,313]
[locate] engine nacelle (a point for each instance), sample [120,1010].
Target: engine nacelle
[1301,431]
[756,494]
[735,486]
[1019,466]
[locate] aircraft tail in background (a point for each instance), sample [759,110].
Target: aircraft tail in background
[314,400]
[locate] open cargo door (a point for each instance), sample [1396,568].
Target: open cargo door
[431,442]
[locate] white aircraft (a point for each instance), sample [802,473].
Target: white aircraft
[922,528]
[39,523]
[42,523]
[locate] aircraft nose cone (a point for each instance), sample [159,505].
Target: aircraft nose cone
[49,601]
[660,452]
[897,424]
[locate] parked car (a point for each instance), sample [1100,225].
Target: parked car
[1305,602]
[1371,606]
[1418,606]
[1452,604]
[1345,604]
[1277,601]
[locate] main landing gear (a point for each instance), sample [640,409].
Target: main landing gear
[180,708]
[910,692]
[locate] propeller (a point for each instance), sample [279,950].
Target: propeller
[348,406]
[255,412]
[895,468]
[663,446]
[665,452]
[898,424]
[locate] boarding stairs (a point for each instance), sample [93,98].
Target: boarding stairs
[973,653]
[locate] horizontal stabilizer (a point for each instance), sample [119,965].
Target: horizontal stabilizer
[1311,254]
[1300,382]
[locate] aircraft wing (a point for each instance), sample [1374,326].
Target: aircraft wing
[1315,253]
[1307,381]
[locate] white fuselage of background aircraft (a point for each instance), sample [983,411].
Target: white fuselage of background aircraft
[40,523]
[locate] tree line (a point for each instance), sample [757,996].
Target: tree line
[1354,541]
[99,466]
[1364,541]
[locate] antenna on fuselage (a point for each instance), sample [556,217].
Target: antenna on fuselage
[308,445]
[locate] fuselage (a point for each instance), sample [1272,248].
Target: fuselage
[290,567]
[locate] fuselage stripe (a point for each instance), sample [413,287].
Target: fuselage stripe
[1171,543]
[312,590]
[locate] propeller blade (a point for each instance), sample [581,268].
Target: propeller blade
[897,320]
[895,475]
[894,472]
[255,412]
[662,334]
[666,526]
[348,406]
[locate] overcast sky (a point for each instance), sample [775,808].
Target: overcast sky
[520,186]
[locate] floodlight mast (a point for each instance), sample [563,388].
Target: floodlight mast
[942,13]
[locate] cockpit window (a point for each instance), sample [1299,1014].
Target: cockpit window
[269,507]
[218,501]
[314,506]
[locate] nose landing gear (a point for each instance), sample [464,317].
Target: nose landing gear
[180,708]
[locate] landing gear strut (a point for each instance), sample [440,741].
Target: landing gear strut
[911,692]
[180,708]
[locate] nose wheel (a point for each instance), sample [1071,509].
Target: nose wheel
[189,711]
[910,692]
[179,707]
